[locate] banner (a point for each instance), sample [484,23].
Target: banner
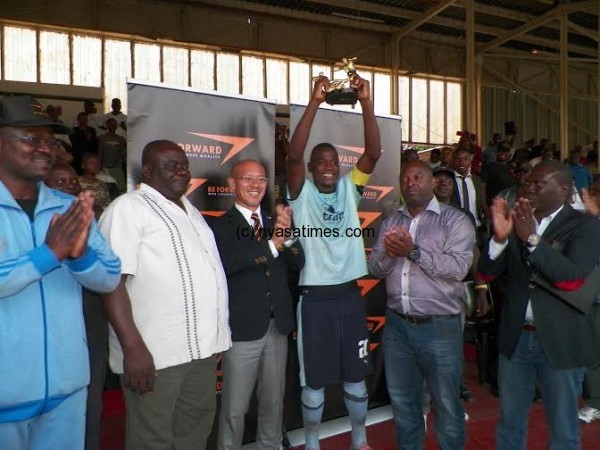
[344,130]
[215,131]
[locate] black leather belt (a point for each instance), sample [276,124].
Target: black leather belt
[529,327]
[420,319]
[333,289]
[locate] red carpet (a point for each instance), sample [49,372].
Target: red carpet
[483,411]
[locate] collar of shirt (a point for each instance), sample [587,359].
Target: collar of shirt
[433,205]
[543,224]
[248,214]
[161,198]
[468,175]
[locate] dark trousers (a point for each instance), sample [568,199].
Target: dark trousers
[591,382]
[96,327]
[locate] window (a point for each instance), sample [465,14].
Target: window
[117,68]
[55,59]
[419,110]
[228,73]
[277,71]
[253,76]
[203,69]
[382,95]
[147,62]
[87,61]
[146,59]
[454,112]
[175,66]
[300,83]
[437,114]
[20,54]
[404,106]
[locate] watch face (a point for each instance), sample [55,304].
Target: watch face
[533,240]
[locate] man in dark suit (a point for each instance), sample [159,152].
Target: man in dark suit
[542,338]
[469,192]
[84,140]
[255,258]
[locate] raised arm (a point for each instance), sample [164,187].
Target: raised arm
[366,163]
[294,173]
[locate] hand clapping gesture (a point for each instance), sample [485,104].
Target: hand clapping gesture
[397,242]
[68,233]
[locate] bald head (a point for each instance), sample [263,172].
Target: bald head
[153,148]
[559,171]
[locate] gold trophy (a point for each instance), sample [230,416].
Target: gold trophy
[337,94]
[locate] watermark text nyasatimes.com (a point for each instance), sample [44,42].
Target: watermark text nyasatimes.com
[305,232]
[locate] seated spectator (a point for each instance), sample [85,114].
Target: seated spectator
[83,139]
[434,158]
[112,150]
[512,193]
[446,156]
[581,174]
[489,154]
[496,175]
[90,167]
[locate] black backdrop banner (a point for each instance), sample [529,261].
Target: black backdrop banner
[216,130]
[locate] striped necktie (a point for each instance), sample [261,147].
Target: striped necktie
[256,227]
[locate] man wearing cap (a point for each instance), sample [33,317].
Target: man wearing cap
[511,194]
[49,248]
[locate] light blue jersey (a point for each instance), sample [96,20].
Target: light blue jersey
[323,219]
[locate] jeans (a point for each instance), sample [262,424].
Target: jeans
[427,351]
[560,388]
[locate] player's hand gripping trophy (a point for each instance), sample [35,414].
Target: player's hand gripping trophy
[337,94]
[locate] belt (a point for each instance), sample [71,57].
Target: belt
[529,327]
[420,319]
[332,289]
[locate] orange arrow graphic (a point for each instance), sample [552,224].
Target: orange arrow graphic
[367,285]
[359,150]
[238,143]
[195,183]
[379,320]
[385,190]
[213,213]
[367,218]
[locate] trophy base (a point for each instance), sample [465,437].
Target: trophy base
[344,96]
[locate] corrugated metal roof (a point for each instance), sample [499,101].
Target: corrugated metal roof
[493,19]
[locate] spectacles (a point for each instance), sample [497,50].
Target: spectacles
[250,179]
[34,141]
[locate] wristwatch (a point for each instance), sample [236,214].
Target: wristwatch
[414,254]
[533,240]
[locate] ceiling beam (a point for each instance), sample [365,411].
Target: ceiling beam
[550,15]
[399,13]
[421,19]
[523,17]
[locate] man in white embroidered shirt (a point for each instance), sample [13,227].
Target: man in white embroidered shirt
[169,315]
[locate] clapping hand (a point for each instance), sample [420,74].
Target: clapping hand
[68,233]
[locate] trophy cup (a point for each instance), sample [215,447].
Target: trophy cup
[337,94]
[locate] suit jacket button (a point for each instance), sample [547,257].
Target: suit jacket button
[268,294]
[268,273]
[531,286]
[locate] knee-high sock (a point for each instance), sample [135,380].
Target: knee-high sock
[312,409]
[356,399]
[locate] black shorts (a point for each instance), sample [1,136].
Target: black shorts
[333,340]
